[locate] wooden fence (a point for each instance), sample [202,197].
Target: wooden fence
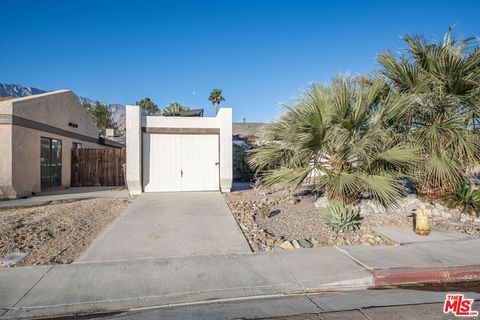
[98,167]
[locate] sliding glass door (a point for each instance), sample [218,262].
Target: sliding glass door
[50,162]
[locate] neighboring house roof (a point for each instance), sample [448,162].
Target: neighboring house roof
[111,143]
[58,112]
[189,113]
[41,95]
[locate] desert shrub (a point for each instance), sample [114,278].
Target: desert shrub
[241,168]
[465,198]
[341,217]
[442,79]
[340,139]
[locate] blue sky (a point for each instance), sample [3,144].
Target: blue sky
[261,53]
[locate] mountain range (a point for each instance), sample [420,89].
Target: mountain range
[16,91]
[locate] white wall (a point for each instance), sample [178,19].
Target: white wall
[134,149]
[135,121]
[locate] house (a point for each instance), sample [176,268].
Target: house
[37,134]
[177,153]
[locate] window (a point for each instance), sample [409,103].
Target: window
[50,162]
[76,145]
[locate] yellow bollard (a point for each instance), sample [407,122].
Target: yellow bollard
[421,220]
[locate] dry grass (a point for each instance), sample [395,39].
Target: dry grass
[56,233]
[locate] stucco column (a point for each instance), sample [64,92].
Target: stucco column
[133,129]
[224,117]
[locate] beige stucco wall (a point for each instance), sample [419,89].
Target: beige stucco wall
[20,146]
[26,155]
[5,160]
[56,109]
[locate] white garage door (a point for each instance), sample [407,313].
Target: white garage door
[180,162]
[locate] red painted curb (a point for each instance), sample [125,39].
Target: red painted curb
[396,276]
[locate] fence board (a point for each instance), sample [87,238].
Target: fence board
[98,167]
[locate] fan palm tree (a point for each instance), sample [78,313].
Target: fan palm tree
[216,97]
[443,82]
[175,107]
[339,138]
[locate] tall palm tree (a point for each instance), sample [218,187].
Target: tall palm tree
[216,97]
[339,138]
[443,82]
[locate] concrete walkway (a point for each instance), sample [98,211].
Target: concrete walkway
[76,193]
[170,224]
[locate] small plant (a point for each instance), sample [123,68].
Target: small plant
[464,197]
[341,217]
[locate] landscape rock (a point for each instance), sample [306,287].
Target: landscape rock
[13,258]
[278,243]
[270,219]
[304,243]
[18,224]
[296,244]
[293,200]
[287,245]
[365,209]
[446,215]
[322,203]
[435,212]
[476,220]
[370,207]
[409,203]
[465,218]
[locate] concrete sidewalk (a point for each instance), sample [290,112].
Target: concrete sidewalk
[121,285]
[70,194]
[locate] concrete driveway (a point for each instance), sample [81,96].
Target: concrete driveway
[170,224]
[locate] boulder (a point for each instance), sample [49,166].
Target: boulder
[322,202]
[287,245]
[296,244]
[465,218]
[446,215]
[439,206]
[409,203]
[292,200]
[304,243]
[365,209]
[370,207]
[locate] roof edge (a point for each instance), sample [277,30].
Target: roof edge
[33,96]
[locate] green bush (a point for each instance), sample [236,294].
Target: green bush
[341,217]
[464,197]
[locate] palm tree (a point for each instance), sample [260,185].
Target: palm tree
[339,138]
[175,107]
[148,105]
[216,97]
[443,82]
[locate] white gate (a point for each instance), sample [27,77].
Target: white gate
[180,162]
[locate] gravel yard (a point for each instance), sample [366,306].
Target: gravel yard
[56,233]
[268,220]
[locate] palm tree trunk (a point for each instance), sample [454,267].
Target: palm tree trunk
[216,108]
[431,192]
[345,198]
